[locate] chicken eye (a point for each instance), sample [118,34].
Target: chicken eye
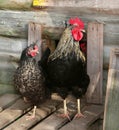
[35,47]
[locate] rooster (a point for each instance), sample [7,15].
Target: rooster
[29,79]
[66,66]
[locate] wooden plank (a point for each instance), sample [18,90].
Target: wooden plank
[7,99]
[34,33]
[82,3]
[51,20]
[96,5]
[91,113]
[95,60]
[112,94]
[54,122]
[43,111]
[34,36]
[13,112]
[97,125]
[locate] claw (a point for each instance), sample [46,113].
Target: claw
[65,116]
[32,116]
[78,115]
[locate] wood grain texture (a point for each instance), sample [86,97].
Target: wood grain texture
[15,23]
[42,112]
[53,122]
[112,94]
[95,61]
[14,117]
[7,99]
[13,112]
[52,23]
[96,5]
[97,125]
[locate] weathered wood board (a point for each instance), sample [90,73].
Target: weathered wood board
[34,33]
[91,113]
[42,111]
[95,61]
[53,121]
[7,99]
[14,116]
[76,3]
[52,21]
[97,125]
[13,112]
[111,114]
[87,6]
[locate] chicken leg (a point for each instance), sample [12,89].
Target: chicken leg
[65,114]
[32,116]
[79,114]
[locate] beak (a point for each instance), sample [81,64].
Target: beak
[37,52]
[83,30]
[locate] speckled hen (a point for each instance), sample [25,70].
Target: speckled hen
[29,79]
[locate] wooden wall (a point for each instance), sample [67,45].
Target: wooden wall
[15,16]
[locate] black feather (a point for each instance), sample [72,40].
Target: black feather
[66,68]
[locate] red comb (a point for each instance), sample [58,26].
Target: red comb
[77,21]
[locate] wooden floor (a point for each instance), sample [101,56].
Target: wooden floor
[14,112]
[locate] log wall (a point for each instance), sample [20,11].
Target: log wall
[15,16]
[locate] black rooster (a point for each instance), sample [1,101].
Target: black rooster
[29,79]
[66,66]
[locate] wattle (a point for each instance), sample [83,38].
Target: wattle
[77,34]
[33,54]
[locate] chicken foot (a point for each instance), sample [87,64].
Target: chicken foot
[79,114]
[65,114]
[32,116]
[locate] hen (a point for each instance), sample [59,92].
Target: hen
[66,66]
[29,79]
